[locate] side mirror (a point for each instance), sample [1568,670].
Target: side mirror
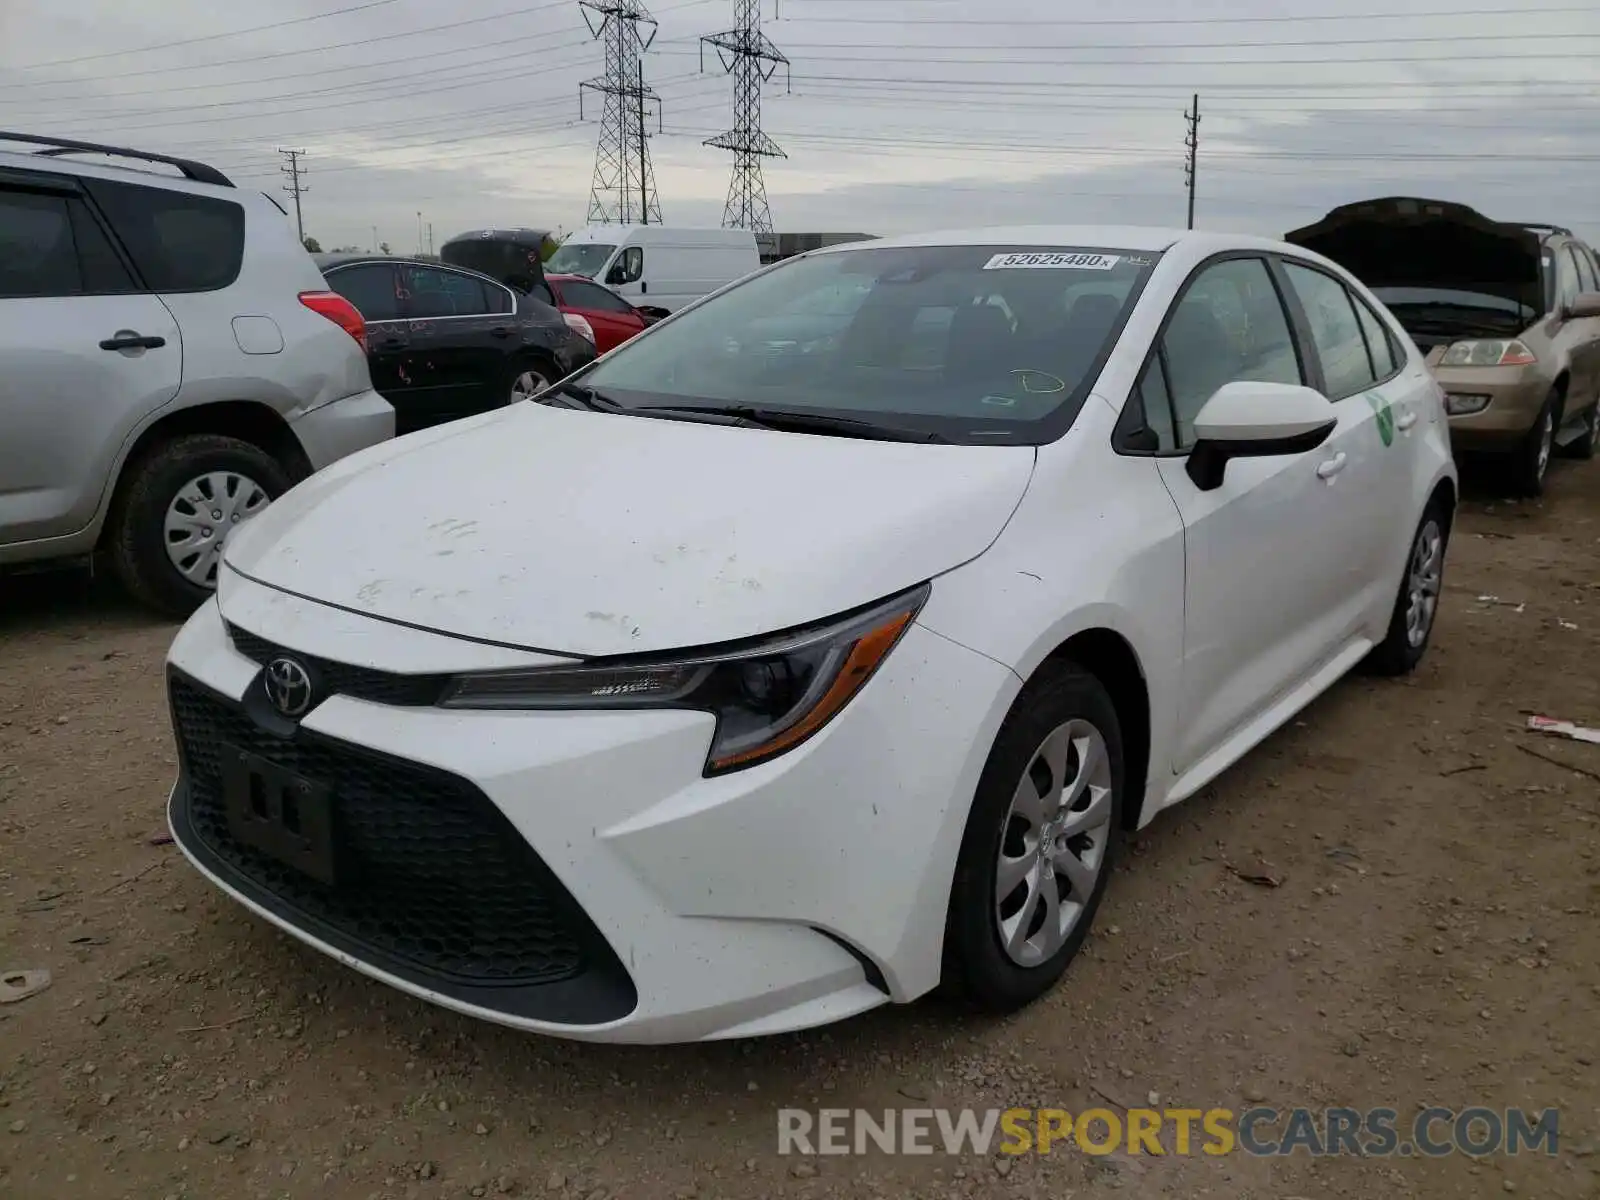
[1256,420]
[1587,305]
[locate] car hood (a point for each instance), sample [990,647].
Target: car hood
[1403,242]
[586,533]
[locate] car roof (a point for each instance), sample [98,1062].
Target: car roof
[1127,237]
[327,261]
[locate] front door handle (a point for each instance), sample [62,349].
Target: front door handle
[392,344]
[1332,466]
[1406,421]
[127,339]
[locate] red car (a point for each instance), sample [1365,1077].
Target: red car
[610,319]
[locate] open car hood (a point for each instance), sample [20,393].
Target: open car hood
[1406,242]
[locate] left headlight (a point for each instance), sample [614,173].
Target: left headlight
[768,696]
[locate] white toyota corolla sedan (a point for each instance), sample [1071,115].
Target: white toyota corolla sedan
[820,645]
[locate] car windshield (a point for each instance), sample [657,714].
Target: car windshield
[586,258]
[974,343]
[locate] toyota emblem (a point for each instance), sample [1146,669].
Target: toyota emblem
[288,686]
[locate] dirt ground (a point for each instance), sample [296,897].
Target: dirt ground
[1434,940]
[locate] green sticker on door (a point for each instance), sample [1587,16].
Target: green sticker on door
[1385,415]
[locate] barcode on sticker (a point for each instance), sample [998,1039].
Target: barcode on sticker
[1039,260]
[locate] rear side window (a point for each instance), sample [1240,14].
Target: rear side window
[1335,329]
[51,245]
[370,287]
[593,296]
[1586,278]
[179,242]
[1379,343]
[500,300]
[431,293]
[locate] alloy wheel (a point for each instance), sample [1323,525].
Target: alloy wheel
[527,385]
[1424,580]
[1053,844]
[202,515]
[1547,441]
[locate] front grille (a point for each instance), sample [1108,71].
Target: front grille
[429,874]
[343,679]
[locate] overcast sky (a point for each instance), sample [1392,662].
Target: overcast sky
[904,114]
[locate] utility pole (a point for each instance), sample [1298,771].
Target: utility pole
[373,248]
[623,176]
[1191,164]
[750,57]
[419,234]
[294,187]
[430,239]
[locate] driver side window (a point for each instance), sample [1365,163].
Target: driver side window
[628,268]
[1228,326]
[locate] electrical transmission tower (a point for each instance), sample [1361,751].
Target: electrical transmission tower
[1191,164]
[294,187]
[750,57]
[624,189]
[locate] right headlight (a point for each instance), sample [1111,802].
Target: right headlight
[1488,352]
[768,696]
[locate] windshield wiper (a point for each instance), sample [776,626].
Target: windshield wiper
[597,401]
[810,422]
[586,397]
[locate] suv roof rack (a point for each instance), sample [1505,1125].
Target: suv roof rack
[1548,230]
[54,146]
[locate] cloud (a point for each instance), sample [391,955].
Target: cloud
[903,114]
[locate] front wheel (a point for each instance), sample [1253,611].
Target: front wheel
[1039,844]
[1530,462]
[176,509]
[1589,440]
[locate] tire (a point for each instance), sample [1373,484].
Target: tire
[1416,606]
[518,377]
[1584,448]
[152,489]
[1530,462]
[979,969]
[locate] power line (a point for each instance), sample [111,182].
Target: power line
[751,58]
[209,37]
[1231,44]
[302,50]
[295,188]
[875,54]
[622,171]
[1391,15]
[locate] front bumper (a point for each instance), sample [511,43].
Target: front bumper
[1515,397]
[573,873]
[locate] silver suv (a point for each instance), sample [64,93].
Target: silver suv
[171,361]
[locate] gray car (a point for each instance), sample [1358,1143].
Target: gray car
[171,361]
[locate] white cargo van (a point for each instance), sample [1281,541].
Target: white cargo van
[658,265]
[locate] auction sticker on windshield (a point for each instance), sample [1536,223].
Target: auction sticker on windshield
[1040,260]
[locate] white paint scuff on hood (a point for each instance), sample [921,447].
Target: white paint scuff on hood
[595,534]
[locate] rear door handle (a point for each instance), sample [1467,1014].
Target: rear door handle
[126,339]
[1406,421]
[500,331]
[1332,466]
